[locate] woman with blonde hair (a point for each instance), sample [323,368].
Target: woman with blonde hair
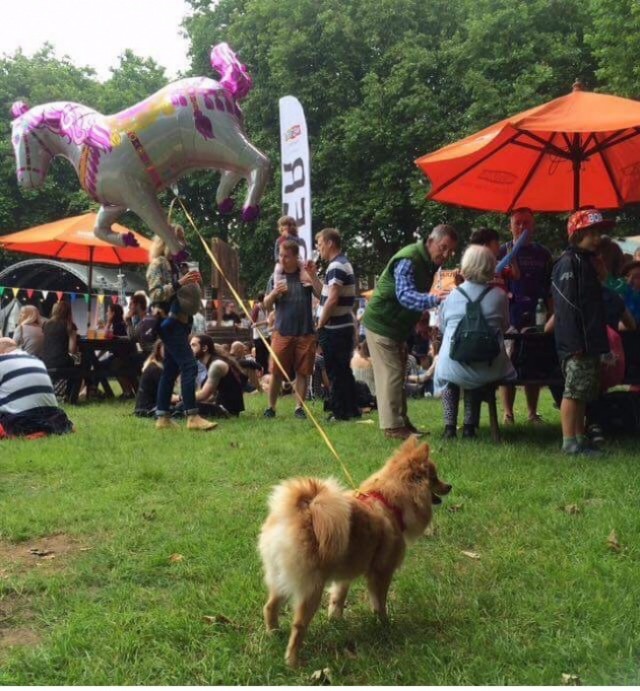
[478,269]
[28,334]
[170,303]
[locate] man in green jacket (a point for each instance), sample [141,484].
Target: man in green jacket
[400,298]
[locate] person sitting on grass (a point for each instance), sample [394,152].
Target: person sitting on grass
[28,405]
[221,392]
[580,326]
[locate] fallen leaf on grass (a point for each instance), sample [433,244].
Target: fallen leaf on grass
[85,549]
[364,422]
[49,556]
[40,552]
[571,680]
[571,509]
[176,558]
[216,619]
[234,445]
[612,542]
[454,507]
[149,515]
[471,555]
[321,677]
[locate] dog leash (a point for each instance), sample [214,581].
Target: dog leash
[240,301]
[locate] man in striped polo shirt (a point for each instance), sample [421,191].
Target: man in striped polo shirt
[27,402]
[336,326]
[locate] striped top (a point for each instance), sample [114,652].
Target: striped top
[340,273]
[24,383]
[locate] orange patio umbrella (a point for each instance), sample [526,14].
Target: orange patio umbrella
[578,150]
[73,239]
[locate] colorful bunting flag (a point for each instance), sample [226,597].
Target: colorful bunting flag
[30,292]
[86,297]
[1,291]
[114,299]
[73,297]
[45,294]
[100,298]
[59,294]
[15,292]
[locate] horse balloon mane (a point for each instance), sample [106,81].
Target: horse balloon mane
[124,160]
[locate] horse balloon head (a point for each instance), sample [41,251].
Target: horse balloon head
[32,155]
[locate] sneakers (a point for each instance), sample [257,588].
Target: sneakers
[595,434]
[269,413]
[165,422]
[196,422]
[399,433]
[299,413]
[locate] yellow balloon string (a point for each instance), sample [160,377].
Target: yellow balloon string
[240,301]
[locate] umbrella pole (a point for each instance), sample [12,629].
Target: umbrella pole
[89,288]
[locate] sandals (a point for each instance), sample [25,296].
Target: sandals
[535,419]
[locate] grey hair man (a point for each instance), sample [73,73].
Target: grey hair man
[403,293]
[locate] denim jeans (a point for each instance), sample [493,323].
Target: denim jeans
[337,347]
[178,360]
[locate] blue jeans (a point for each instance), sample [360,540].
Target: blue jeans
[178,360]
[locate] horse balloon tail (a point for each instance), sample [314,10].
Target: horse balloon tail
[234,75]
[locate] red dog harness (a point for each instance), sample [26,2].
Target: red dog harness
[383,500]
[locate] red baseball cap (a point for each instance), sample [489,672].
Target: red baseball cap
[587,218]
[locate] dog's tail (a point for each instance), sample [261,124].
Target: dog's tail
[321,506]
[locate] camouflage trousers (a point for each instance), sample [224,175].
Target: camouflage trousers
[581,377]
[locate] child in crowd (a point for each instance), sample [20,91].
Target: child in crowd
[288,229]
[631,294]
[580,325]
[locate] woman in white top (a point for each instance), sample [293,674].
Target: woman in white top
[28,334]
[478,269]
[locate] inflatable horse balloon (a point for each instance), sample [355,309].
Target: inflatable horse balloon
[124,160]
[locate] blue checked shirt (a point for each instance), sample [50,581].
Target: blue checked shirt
[406,292]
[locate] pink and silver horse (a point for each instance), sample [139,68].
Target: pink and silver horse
[124,160]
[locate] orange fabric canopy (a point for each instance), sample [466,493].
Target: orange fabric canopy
[578,150]
[73,239]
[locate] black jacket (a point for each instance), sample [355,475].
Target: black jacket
[580,324]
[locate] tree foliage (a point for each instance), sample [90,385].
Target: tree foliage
[381,81]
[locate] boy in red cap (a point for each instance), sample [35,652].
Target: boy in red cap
[580,325]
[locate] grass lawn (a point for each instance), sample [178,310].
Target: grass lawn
[145,568]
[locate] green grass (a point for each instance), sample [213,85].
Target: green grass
[546,597]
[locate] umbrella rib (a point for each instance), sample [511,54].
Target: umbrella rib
[611,141]
[530,174]
[607,167]
[536,137]
[471,167]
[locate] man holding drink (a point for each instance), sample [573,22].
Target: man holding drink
[294,339]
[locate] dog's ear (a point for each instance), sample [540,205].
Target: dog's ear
[425,447]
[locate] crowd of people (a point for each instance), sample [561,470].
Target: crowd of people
[414,338]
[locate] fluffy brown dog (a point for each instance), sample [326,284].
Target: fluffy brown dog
[316,533]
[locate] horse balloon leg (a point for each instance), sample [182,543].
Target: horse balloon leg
[228,180]
[257,179]
[107,216]
[146,205]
